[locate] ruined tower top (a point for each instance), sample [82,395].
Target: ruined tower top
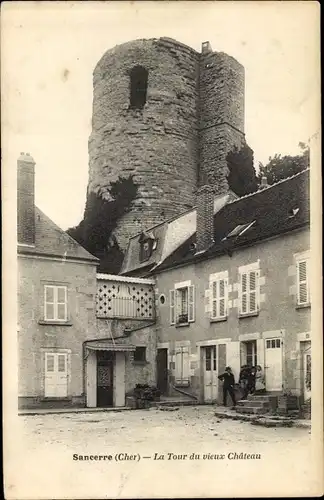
[167,115]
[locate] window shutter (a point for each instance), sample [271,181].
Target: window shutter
[302,277]
[172,307]
[252,291]
[226,297]
[191,303]
[244,293]
[221,301]
[213,295]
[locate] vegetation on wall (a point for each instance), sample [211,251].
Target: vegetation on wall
[242,177]
[100,219]
[280,167]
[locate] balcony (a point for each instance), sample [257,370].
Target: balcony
[127,308]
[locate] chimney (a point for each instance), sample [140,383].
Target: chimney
[206,48]
[26,199]
[264,183]
[205,218]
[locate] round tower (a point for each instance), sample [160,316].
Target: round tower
[145,124]
[167,115]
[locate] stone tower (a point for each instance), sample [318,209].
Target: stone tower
[167,115]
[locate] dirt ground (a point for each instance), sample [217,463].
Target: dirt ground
[188,452]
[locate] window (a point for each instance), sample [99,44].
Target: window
[219,295]
[303,295]
[211,359]
[140,354]
[55,308]
[146,250]
[182,306]
[138,87]
[249,291]
[239,230]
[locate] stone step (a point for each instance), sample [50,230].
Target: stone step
[257,397]
[179,402]
[251,410]
[256,404]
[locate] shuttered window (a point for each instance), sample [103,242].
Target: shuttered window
[55,306]
[219,298]
[182,305]
[303,282]
[249,292]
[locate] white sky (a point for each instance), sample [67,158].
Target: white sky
[48,114]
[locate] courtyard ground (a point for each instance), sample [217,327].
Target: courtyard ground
[199,453]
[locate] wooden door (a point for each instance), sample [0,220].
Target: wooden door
[105,364]
[210,374]
[273,364]
[56,375]
[162,370]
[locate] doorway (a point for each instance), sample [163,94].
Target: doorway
[307,372]
[162,370]
[105,373]
[56,375]
[273,364]
[249,353]
[210,373]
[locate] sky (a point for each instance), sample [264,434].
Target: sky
[49,51]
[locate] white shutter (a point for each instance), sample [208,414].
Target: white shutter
[191,303]
[222,298]
[172,307]
[213,298]
[244,293]
[302,279]
[253,283]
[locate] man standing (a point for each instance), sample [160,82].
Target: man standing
[228,384]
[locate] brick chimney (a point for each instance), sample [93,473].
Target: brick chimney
[206,48]
[26,199]
[264,183]
[205,218]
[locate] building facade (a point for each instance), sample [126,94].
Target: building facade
[83,339]
[239,297]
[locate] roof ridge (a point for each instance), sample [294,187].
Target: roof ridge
[269,187]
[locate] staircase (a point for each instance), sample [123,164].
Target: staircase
[180,400]
[257,404]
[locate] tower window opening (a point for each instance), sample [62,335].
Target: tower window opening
[138,87]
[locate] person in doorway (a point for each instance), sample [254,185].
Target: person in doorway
[251,380]
[259,380]
[228,384]
[243,380]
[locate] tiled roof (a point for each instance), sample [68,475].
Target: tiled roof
[271,209]
[169,235]
[52,241]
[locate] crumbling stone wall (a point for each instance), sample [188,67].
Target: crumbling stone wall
[193,114]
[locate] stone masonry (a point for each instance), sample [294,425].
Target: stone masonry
[193,115]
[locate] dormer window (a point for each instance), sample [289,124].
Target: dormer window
[293,212]
[138,87]
[239,230]
[147,244]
